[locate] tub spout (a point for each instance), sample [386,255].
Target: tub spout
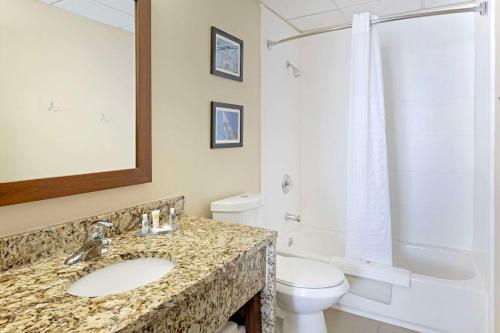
[292,217]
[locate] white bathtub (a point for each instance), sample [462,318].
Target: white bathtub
[445,293]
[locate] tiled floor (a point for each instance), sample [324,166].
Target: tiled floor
[343,322]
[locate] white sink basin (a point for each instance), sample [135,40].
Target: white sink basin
[121,277]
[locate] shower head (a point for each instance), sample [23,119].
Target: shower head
[295,71]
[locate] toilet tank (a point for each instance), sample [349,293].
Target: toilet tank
[244,209]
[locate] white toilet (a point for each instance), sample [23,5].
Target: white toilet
[305,287]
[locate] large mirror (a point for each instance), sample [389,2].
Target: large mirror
[75,92]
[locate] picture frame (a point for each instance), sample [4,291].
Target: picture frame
[227,55]
[226,125]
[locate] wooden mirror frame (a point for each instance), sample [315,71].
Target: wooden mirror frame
[46,188]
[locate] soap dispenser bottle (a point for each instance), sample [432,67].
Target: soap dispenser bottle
[144,224]
[172,217]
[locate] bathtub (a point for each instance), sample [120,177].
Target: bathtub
[444,293]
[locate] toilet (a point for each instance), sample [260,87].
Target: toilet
[304,287]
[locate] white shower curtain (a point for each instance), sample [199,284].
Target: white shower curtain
[368,230]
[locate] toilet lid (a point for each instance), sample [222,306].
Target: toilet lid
[307,273]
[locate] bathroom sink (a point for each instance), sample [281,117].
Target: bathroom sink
[120,277]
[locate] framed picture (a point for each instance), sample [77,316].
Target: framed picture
[227,125]
[227,55]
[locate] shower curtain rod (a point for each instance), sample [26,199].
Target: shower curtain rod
[481,8]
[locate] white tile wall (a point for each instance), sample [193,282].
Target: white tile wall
[280,93]
[325,87]
[483,120]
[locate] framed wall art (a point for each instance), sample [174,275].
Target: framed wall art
[227,55]
[227,125]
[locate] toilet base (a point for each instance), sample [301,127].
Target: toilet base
[302,323]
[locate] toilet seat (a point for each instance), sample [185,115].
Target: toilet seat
[318,294]
[307,273]
[304,289]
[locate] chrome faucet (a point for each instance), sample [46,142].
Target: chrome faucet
[95,244]
[291,217]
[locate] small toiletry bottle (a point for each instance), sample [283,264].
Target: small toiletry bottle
[144,224]
[155,215]
[172,217]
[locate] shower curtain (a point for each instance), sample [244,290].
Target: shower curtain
[368,230]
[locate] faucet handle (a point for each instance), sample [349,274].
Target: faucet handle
[96,230]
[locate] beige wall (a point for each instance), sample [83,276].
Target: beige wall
[87,69]
[182,90]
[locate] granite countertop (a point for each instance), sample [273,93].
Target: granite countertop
[33,297]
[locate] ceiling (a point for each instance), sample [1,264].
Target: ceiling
[116,13]
[314,14]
